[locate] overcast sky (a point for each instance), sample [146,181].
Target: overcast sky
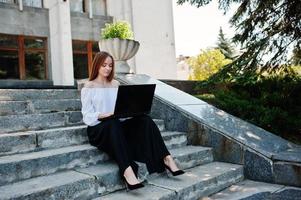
[198,28]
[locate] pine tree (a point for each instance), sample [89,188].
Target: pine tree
[224,45]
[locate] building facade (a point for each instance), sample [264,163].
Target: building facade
[54,41]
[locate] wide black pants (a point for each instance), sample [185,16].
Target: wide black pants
[135,139]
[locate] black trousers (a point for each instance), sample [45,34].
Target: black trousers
[135,139]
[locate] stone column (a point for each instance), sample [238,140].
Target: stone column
[60,42]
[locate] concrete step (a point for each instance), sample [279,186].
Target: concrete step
[247,189]
[14,123]
[195,183]
[107,174]
[173,139]
[34,94]
[23,166]
[104,176]
[38,106]
[26,122]
[63,185]
[11,143]
[14,107]
[19,142]
[191,156]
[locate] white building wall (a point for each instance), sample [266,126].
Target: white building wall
[153,26]
[152,23]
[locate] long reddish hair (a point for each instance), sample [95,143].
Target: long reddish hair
[98,60]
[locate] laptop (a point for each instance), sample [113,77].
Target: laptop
[133,100]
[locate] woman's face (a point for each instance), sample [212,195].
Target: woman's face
[106,68]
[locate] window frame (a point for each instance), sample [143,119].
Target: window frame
[89,52]
[22,50]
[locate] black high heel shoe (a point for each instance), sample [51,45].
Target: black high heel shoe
[175,173]
[132,187]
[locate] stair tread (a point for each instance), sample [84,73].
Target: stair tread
[172,133]
[162,187]
[245,189]
[188,149]
[98,170]
[192,177]
[27,141]
[44,153]
[12,134]
[52,152]
[37,184]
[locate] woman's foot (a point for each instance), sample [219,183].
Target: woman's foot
[130,176]
[171,166]
[131,179]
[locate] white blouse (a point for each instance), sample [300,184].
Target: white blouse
[96,101]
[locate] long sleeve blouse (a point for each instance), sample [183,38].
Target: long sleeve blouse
[97,100]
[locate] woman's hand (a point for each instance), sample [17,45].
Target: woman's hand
[101,116]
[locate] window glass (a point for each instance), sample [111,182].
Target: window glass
[79,46]
[8,41]
[34,43]
[77,6]
[95,47]
[7,1]
[35,65]
[9,65]
[80,63]
[33,3]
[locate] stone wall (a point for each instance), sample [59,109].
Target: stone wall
[84,28]
[265,156]
[31,21]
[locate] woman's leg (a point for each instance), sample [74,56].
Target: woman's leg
[109,137]
[146,143]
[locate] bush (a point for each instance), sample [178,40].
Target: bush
[120,29]
[273,103]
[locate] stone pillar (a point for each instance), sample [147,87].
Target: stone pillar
[60,42]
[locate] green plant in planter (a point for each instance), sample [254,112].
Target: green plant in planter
[119,29]
[117,40]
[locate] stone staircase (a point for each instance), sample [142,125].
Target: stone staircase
[44,154]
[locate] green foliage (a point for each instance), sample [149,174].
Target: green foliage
[207,63]
[267,30]
[224,45]
[272,102]
[120,29]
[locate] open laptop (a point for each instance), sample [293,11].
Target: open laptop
[133,100]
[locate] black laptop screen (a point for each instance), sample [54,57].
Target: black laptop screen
[134,99]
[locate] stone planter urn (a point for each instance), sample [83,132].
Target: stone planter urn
[121,50]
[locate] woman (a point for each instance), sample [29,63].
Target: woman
[124,140]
